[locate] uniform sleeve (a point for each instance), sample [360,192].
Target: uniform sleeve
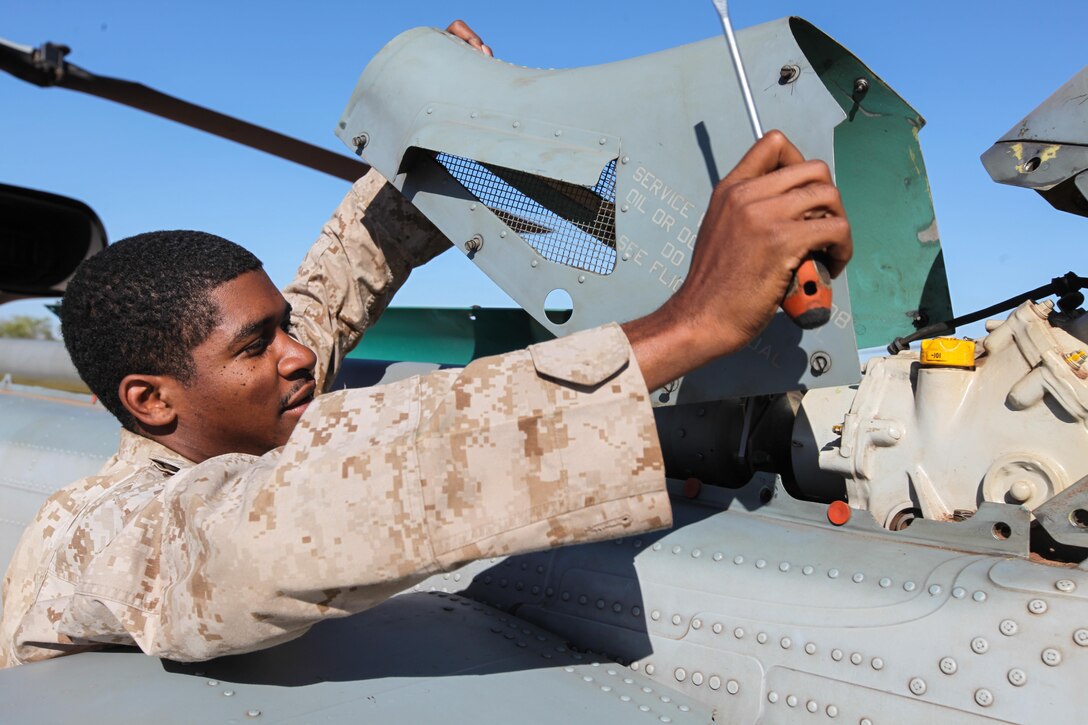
[378,488]
[362,256]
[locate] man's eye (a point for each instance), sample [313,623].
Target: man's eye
[256,347]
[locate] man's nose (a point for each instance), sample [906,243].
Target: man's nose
[295,357]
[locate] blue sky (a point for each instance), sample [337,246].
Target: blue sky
[972,69]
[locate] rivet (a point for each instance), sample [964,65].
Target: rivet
[714,682]
[617,607]
[474,114]
[581,279]
[665,718]
[1065,585]
[696,678]
[611,672]
[807,570]
[984,697]
[684,708]
[858,578]
[865,721]
[657,546]
[583,599]
[625,208]
[625,159]
[856,658]
[666,699]
[472,206]
[791,700]
[430,110]
[1081,637]
[810,648]
[784,567]
[680,674]
[558,132]
[717,628]
[228,693]
[636,611]
[738,559]
[696,623]
[980,646]
[213,683]
[1017,677]
[655,615]
[948,665]
[885,582]
[833,573]
[738,633]
[676,619]
[625,698]
[732,687]
[832,711]
[606,688]
[1009,627]
[934,590]
[644,708]
[877,663]
[811,706]
[1037,606]
[516,124]
[772,697]
[1052,657]
[650,669]
[959,592]
[600,604]
[917,686]
[836,654]
[696,553]
[602,141]
[253,713]
[565,596]
[717,556]
[503,234]
[533,263]
[628,680]
[761,638]
[979,596]
[587,678]
[909,586]
[535,589]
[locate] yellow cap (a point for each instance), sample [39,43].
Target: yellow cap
[948,351]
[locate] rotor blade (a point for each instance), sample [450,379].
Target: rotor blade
[46,66]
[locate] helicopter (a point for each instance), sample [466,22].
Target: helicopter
[762,604]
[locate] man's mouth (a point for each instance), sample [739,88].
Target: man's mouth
[297,400]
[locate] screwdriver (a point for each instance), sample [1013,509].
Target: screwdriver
[808,297]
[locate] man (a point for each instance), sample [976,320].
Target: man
[242,507]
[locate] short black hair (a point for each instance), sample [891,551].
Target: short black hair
[141,305]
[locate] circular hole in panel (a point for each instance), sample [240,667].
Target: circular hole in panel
[1002,531]
[1032,164]
[558,306]
[1079,518]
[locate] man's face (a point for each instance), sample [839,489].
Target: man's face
[252,380]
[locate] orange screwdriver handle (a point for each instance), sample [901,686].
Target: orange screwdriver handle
[808,298]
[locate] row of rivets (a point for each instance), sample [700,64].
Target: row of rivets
[810,705]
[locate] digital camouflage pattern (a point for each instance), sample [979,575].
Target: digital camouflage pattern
[375,490]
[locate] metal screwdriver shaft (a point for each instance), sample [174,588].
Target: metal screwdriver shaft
[742,77]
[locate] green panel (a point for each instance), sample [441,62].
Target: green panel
[448,336]
[897,274]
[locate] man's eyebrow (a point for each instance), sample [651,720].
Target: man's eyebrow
[258,326]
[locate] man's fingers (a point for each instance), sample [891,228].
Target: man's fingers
[460,29]
[829,235]
[811,202]
[771,152]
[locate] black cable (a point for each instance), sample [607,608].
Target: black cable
[1060,286]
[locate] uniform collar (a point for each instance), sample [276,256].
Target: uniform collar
[141,451]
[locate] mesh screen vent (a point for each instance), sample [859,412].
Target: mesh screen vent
[565,223]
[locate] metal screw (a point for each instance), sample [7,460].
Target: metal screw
[1009,627]
[360,142]
[819,363]
[1052,657]
[1037,606]
[1081,637]
[1017,677]
[918,686]
[475,244]
[788,74]
[1065,585]
[861,86]
[984,697]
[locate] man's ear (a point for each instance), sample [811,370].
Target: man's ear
[149,398]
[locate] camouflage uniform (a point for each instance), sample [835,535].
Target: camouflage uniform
[376,488]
